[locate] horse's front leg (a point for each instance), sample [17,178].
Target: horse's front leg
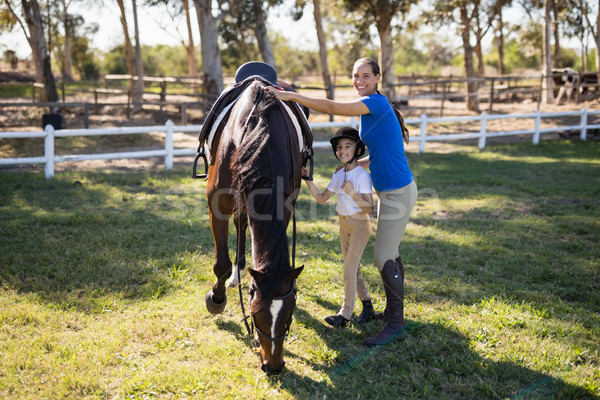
[216,298]
[241,224]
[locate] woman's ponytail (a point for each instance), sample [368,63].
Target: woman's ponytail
[405,133]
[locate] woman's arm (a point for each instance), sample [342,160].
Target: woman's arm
[353,107]
[364,162]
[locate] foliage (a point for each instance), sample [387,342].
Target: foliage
[158,60]
[103,274]
[422,54]
[514,58]
[114,61]
[293,63]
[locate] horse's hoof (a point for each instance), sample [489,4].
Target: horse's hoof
[232,283]
[212,306]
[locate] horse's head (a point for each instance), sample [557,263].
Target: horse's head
[272,316]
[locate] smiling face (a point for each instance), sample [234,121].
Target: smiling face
[344,150]
[364,79]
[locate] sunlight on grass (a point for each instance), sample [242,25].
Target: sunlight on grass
[103,277]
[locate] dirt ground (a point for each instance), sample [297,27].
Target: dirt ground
[29,119]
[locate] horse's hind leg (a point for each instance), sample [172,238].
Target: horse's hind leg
[216,299]
[241,224]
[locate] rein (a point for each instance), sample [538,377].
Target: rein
[250,326]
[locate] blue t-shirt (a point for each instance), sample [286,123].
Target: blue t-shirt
[381,132]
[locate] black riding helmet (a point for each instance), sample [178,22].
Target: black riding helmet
[348,132]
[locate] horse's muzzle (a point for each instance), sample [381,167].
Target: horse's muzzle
[267,368]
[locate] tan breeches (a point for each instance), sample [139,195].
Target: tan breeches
[354,235]
[393,210]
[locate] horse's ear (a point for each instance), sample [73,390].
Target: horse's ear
[257,275]
[293,274]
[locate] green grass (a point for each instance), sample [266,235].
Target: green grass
[103,276]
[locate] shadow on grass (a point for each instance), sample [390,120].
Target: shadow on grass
[433,361]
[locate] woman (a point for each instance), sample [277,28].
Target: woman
[383,132]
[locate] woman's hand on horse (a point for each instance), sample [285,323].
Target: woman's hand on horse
[280,94]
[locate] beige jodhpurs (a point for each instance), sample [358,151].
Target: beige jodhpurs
[354,235]
[393,210]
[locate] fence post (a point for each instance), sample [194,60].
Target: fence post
[584,118]
[423,133]
[169,145]
[184,119]
[483,130]
[538,120]
[86,115]
[49,151]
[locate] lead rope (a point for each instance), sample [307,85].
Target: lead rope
[249,327]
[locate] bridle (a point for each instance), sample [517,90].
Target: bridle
[293,291]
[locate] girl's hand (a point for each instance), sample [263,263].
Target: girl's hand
[305,171]
[348,187]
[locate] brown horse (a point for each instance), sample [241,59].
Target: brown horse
[256,157]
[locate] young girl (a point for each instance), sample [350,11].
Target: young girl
[352,184]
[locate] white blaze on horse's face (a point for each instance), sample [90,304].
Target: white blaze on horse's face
[275,309]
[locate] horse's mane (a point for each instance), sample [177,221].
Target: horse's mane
[255,171]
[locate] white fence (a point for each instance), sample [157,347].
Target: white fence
[49,134]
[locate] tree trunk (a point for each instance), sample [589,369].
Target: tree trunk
[67,72]
[191,47]
[479,54]
[212,69]
[322,48]
[472,84]
[556,29]
[596,34]
[139,68]
[384,28]
[129,62]
[264,44]
[500,44]
[548,82]
[39,50]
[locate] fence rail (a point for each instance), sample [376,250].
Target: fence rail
[49,134]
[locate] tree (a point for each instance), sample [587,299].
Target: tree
[461,12]
[592,24]
[382,12]
[212,69]
[175,8]
[33,29]
[138,93]
[322,48]
[260,30]
[128,47]
[243,29]
[548,80]
[68,26]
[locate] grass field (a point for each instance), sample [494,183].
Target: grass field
[103,276]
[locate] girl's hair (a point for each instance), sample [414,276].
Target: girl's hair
[377,71]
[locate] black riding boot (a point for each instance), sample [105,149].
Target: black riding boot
[367,312]
[399,262]
[392,275]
